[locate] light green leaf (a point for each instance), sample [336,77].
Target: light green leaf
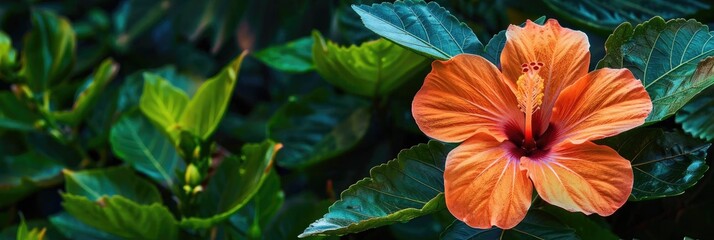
[133,86]
[206,109]
[88,97]
[235,182]
[664,163]
[292,57]
[585,227]
[140,144]
[606,15]
[664,56]
[8,58]
[317,127]
[15,115]
[537,225]
[163,103]
[23,174]
[97,184]
[48,52]
[24,234]
[426,28]
[72,228]
[374,68]
[696,116]
[407,187]
[123,217]
[494,47]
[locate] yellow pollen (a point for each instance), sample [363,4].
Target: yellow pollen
[530,88]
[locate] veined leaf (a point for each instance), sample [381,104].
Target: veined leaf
[163,103]
[426,28]
[48,52]
[585,227]
[254,217]
[72,228]
[123,217]
[664,56]
[235,182]
[292,57]
[133,86]
[23,174]
[140,144]
[100,183]
[606,15]
[374,68]
[317,127]
[537,225]
[15,115]
[407,187]
[88,97]
[205,110]
[664,163]
[695,117]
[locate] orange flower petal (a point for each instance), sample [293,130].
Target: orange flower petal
[585,177]
[484,185]
[604,103]
[564,53]
[462,95]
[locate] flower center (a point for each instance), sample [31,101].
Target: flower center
[530,97]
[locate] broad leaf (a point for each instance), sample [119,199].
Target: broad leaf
[23,174]
[372,69]
[494,47]
[205,111]
[254,217]
[585,227]
[664,56]
[122,217]
[292,57]
[695,117]
[72,228]
[15,115]
[537,225]
[23,233]
[220,18]
[426,28]
[134,17]
[407,187]
[163,103]
[606,15]
[48,51]
[89,96]
[101,183]
[664,163]
[235,182]
[144,147]
[317,127]
[294,216]
[133,86]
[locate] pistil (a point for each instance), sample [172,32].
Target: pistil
[530,97]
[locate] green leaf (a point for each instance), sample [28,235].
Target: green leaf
[374,68]
[23,174]
[134,17]
[585,227]
[255,216]
[537,225]
[123,217]
[8,58]
[606,15]
[144,147]
[48,52]
[317,127]
[97,184]
[163,103]
[294,216]
[72,228]
[494,47]
[407,187]
[206,109]
[133,86]
[220,18]
[88,97]
[664,56]
[292,57]
[235,182]
[15,115]
[426,28]
[664,163]
[24,234]
[695,117]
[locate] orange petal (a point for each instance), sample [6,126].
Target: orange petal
[585,177]
[462,95]
[484,185]
[604,103]
[563,52]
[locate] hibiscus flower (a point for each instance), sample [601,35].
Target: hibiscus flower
[531,124]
